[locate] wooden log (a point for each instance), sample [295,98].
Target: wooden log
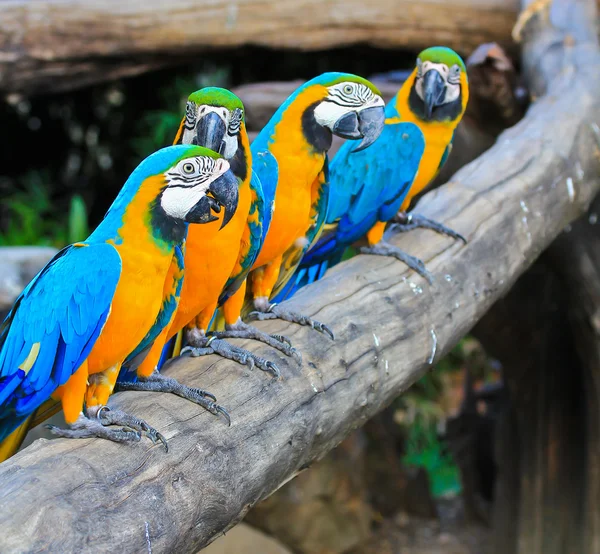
[51,45]
[96,496]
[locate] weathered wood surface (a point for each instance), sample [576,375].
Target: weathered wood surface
[95,496]
[50,45]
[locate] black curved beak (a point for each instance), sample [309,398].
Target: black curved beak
[366,124]
[210,132]
[434,91]
[370,124]
[223,194]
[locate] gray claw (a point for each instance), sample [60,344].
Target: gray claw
[85,428]
[225,414]
[106,416]
[407,222]
[276,312]
[385,249]
[274,370]
[159,383]
[282,338]
[244,331]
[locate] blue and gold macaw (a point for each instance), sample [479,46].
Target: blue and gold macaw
[290,158]
[215,258]
[371,188]
[70,330]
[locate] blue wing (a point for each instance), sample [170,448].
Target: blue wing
[266,171]
[366,187]
[53,326]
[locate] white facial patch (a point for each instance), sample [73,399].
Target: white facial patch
[187,183]
[450,75]
[327,113]
[196,113]
[344,98]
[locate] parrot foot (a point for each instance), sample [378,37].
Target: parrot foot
[160,383]
[85,428]
[276,312]
[407,222]
[213,345]
[242,330]
[107,416]
[385,249]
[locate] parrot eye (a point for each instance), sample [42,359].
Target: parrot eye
[348,89]
[188,168]
[454,74]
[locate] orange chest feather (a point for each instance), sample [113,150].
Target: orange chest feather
[293,198]
[135,305]
[436,142]
[210,257]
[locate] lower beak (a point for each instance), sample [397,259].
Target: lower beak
[210,132]
[366,124]
[434,88]
[224,194]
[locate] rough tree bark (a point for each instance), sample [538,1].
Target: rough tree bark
[510,203]
[50,45]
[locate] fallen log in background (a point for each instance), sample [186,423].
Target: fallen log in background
[96,496]
[51,45]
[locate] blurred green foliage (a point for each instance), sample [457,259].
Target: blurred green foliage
[422,413]
[422,418]
[424,449]
[34,220]
[157,128]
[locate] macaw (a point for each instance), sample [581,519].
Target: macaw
[371,188]
[214,257]
[81,316]
[290,158]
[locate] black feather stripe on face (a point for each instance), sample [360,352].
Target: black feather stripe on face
[235,122]
[317,136]
[238,163]
[164,226]
[190,116]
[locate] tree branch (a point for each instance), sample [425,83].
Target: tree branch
[51,45]
[93,495]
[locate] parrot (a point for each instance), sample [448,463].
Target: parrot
[290,159]
[214,118]
[72,327]
[371,188]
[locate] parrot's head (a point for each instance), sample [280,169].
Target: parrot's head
[213,119]
[197,184]
[350,107]
[440,88]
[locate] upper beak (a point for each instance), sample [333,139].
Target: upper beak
[366,124]
[434,88]
[210,132]
[224,193]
